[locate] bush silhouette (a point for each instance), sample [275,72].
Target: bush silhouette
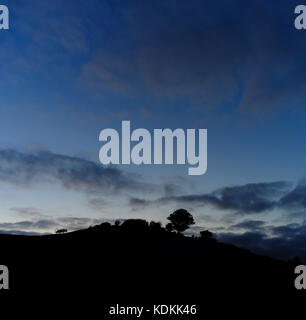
[169,227]
[206,235]
[105,226]
[136,225]
[181,219]
[117,223]
[60,231]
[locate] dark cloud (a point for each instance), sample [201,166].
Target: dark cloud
[278,247]
[296,198]
[245,199]
[29,225]
[283,242]
[137,203]
[176,185]
[253,225]
[172,188]
[72,172]
[288,231]
[212,52]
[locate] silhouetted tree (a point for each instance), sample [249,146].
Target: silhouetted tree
[117,223]
[206,235]
[60,231]
[169,227]
[105,226]
[181,219]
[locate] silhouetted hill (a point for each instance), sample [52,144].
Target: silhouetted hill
[130,244]
[140,263]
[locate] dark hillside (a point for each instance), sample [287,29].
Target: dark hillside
[142,264]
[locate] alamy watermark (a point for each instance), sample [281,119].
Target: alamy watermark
[162,145]
[300,20]
[4,277]
[300,280]
[4,17]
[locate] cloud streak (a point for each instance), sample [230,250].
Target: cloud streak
[245,199]
[295,198]
[71,172]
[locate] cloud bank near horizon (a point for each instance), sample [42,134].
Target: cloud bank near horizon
[24,169]
[27,168]
[282,241]
[248,199]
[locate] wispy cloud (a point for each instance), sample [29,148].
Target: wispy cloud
[29,225]
[27,212]
[208,59]
[136,203]
[245,199]
[295,198]
[71,172]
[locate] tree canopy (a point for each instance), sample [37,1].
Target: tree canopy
[181,220]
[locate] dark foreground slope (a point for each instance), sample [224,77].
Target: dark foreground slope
[134,265]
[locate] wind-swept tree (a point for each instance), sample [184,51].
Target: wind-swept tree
[181,220]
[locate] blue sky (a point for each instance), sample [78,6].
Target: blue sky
[70,69]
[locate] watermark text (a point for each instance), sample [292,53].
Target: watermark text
[4,17]
[137,147]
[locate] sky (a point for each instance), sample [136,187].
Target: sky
[69,69]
